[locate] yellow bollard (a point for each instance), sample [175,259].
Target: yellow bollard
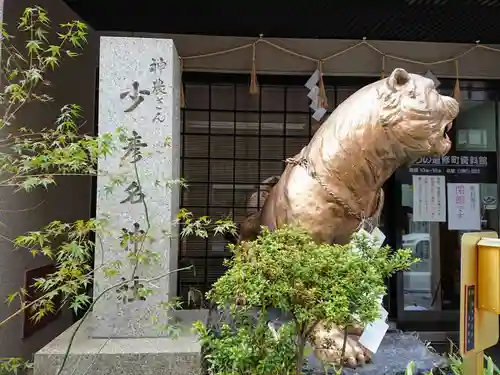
[480,270]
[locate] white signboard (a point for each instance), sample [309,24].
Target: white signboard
[429,198]
[464,207]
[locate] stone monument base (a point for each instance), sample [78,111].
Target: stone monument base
[124,356]
[396,351]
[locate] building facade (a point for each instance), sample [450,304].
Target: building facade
[232,140]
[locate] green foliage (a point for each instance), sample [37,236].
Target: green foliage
[312,282]
[491,368]
[286,269]
[34,155]
[203,226]
[456,365]
[36,158]
[9,366]
[251,349]
[44,51]
[73,257]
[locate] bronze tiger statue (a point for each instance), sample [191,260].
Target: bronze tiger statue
[334,185]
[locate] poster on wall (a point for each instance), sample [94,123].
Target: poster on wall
[464,207]
[429,198]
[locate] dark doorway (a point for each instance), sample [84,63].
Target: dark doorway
[389,224]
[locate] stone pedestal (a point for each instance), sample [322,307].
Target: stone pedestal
[396,351]
[139,90]
[124,356]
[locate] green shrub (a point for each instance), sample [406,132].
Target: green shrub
[311,282]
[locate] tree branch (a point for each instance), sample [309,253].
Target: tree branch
[25,307]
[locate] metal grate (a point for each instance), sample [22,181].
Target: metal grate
[462,21]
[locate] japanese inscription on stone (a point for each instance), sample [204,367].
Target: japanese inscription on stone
[156,67]
[136,96]
[138,92]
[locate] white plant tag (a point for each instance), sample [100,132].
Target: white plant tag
[273,330]
[373,334]
[378,237]
[383,314]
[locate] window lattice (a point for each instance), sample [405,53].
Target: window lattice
[231,142]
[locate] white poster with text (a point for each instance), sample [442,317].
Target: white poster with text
[464,207]
[429,198]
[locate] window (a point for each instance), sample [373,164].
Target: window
[233,140]
[434,283]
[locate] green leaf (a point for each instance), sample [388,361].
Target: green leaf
[33,46]
[80,302]
[41,34]
[71,53]
[54,50]
[52,61]
[11,297]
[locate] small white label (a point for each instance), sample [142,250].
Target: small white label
[378,237]
[383,314]
[273,330]
[373,335]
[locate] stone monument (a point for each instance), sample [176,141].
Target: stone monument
[139,90]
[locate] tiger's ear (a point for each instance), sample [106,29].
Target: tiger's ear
[398,79]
